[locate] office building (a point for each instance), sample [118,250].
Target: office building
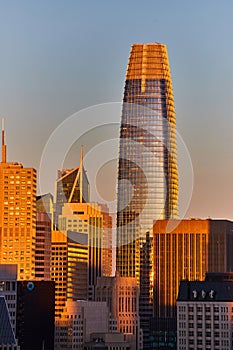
[17,215]
[107,341]
[43,246]
[35,315]
[7,336]
[205,313]
[44,204]
[162,334]
[69,267]
[75,212]
[122,297]
[147,168]
[72,186]
[79,320]
[8,289]
[185,249]
[86,218]
[181,253]
[146,297]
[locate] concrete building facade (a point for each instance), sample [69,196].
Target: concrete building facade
[205,313]
[8,289]
[79,320]
[122,297]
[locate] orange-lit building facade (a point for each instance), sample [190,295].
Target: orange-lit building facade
[179,254]
[147,155]
[74,211]
[186,250]
[86,218]
[17,216]
[69,267]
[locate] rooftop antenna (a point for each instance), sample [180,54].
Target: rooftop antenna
[3,143]
[81,174]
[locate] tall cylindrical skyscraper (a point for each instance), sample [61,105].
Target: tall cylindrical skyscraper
[147,168]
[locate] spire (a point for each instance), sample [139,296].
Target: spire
[81,174]
[3,143]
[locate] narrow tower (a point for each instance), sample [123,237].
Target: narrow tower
[17,215]
[3,143]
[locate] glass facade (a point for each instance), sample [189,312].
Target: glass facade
[147,168]
[72,186]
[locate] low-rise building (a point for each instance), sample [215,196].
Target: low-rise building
[122,297]
[205,313]
[79,320]
[107,341]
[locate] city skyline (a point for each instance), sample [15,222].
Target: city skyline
[114,187]
[46,78]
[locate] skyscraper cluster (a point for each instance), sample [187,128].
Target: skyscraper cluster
[152,244]
[54,252]
[173,283]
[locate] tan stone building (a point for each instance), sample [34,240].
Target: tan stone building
[122,297]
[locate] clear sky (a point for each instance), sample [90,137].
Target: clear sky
[60,56]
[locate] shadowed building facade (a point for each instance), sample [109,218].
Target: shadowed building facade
[7,336]
[35,315]
[43,246]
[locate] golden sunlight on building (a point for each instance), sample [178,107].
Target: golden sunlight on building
[17,215]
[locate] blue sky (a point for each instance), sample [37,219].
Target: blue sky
[58,57]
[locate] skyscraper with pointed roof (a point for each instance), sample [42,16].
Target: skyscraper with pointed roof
[72,186]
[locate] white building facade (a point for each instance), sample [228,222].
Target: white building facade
[205,313]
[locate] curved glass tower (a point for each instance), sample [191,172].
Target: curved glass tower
[147,168]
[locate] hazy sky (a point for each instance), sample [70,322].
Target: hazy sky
[58,57]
